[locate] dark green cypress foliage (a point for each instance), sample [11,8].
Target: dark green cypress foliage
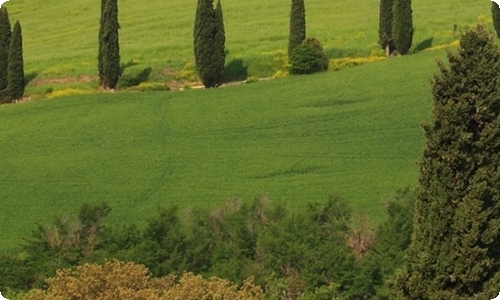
[297,25]
[208,43]
[15,68]
[5,34]
[495,12]
[455,247]
[402,25]
[100,53]
[385,25]
[108,61]
[220,42]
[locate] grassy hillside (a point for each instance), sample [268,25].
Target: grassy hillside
[354,132]
[60,37]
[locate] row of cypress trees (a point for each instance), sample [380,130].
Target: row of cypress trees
[11,59]
[395,26]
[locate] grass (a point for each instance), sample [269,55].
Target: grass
[159,34]
[296,140]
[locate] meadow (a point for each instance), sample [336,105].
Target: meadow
[60,37]
[354,132]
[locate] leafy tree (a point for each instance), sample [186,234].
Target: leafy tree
[455,246]
[15,67]
[402,25]
[495,12]
[297,25]
[209,43]
[115,280]
[5,34]
[385,26]
[109,48]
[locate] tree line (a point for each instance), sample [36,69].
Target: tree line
[326,249]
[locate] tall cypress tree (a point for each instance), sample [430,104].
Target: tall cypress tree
[208,43]
[402,25]
[5,34]
[109,48]
[495,12]
[297,25]
[455,247]
[385,25]
[15,68]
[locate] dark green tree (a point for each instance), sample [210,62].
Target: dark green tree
[209,43]
[402,25]
[495,12]
[455,247]
[385,26]
[15,67]
[297,25]
[109,48]
[5,34]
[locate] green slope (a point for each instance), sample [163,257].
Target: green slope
[354,132]
[60,37]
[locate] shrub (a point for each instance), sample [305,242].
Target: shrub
[308,58]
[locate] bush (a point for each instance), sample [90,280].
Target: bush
[308,58]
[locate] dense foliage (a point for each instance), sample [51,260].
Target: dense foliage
[15,67]
[5,34]
[114,280]
[385,25]
[308,58]
[209,43]
[297,25]
[402,25]
[495,14]
[455,248]
[109,48]
[325,250]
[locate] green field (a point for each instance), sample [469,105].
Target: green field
[60,37]
[353,132]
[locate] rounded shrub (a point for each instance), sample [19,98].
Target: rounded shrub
[308,58]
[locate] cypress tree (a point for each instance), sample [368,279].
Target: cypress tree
[5,34]
[385,26]
[15,68]
[402,25]
[455,247]
[109,48]
[208,43]
[297,25]
[495,12]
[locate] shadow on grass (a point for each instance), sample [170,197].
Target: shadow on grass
[427,43]
[235,70]
[29,77]
[134,79]
[124,66]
